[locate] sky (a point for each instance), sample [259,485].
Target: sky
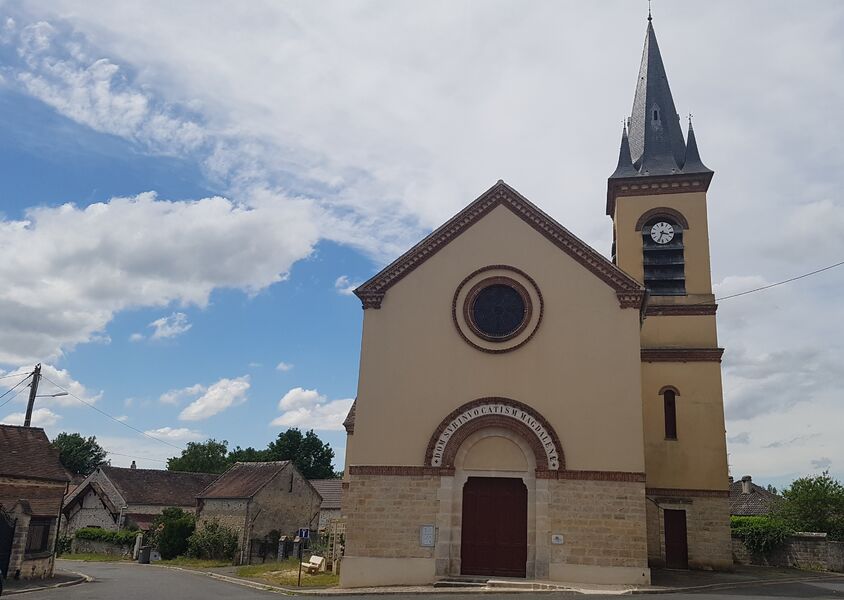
[189,193]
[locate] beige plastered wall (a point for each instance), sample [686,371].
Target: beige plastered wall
[415,367]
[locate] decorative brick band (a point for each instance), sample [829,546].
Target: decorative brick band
[397,470]
[651,186]
[543,450]
[670,310]
[680,493]
[673,213]
[682,354]
[592,475]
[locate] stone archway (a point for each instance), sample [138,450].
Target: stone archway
[495,412]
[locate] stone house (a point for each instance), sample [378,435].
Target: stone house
[750,500]
[33,483]
[115,497]
[260,501]
[331,491]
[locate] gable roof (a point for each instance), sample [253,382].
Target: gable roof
[243,480]
[758,502]
[154,486]
[25,452]
[330,490]
[630,293]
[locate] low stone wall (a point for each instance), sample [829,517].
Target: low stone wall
[80,546]
[801,551]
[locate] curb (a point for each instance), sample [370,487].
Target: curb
[734,584]
[81,578]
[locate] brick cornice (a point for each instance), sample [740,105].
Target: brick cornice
[682,354]
[372,292]
[416,471]
[399,470]
[670,310]
[683,492]
[680,183]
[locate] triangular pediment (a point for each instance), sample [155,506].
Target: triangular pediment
[630,293]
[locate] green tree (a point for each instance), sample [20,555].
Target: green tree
[309,453]
[247,455]
[79,455]
[201,457]
[171,531]
[814,504]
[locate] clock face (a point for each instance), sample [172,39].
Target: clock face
[662,232]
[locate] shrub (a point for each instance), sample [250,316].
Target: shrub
[761,535]
[213,541]
[63,545]
[122,538]
[171,530]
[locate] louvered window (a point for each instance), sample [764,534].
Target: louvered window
[662,253]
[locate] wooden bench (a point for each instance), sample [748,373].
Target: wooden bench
[315,564]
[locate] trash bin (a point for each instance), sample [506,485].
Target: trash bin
[143,555]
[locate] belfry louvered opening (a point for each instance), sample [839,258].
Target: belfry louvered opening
[662,254]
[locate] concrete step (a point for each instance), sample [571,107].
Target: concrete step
[460,582]
[525,584]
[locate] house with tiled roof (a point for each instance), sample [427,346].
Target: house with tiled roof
[261,501]
[331,491]
[33,483]
[750,500]
[115,497]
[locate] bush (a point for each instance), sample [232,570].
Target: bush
[121,538]
[761,535]
[170,532]
[63,545]
[213,541]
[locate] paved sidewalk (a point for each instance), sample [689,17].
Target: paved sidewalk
[59,579]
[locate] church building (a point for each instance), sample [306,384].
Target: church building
[530,408]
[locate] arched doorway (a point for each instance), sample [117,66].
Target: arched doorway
[494,527]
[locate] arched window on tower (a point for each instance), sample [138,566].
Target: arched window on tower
[669,403]
[662,255]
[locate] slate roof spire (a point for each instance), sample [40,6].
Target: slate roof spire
[693,164]
[654,136]
[625,166]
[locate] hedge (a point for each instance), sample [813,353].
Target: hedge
[122,538]
[761,535]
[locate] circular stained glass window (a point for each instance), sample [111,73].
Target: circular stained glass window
[498,311]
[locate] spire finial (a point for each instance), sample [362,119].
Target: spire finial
[650,18]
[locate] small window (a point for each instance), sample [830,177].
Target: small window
[656,115]
[290,491]
[38,535]
[670,402]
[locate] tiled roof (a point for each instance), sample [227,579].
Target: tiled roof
[44,500]
[757,503]
[154,486]
[330,490]
[26,452]
[243,480]
[349,423]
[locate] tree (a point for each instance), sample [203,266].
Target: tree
[814,504]
[79,455]
[310,455]
[247,455]
[201,457]
[171,531]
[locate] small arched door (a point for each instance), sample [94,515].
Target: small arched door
[494,528]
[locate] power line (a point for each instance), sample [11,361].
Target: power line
[16,395]
[784,281]
[113,418]
[11,375]
[138,457]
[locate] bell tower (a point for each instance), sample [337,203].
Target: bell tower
[657,200]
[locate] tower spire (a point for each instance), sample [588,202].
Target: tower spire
[625,166]
[693,164]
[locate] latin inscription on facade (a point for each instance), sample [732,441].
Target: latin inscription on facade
[499,409]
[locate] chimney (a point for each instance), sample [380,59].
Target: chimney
[134,466]
[746,486]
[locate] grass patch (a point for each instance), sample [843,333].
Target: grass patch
[286,573]
[92,557]
[196,563]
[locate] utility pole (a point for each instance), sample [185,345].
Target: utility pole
[33,390]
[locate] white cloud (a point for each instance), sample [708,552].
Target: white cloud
[41,417]
[176,434]
[283,367]
[170,326]
[311,410]
[53,381]
[136,337]
[217,398]
[122,418]
[345,286]
[177,395]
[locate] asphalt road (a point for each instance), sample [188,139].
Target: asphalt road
[122,581]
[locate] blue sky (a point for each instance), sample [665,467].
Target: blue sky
[188,196]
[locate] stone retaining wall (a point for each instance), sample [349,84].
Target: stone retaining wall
[80,546]
[802,551]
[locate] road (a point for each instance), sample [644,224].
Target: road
[129,581]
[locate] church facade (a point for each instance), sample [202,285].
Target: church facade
[530,408]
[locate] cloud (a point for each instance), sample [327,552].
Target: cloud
[798,440]
[823,463]
[283,367]
[176,434]
[177,395]
[345,286]
[136,337]
[170,326]
[46,387]
[41,417]
[309,409]
[740,438]
[218,397]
